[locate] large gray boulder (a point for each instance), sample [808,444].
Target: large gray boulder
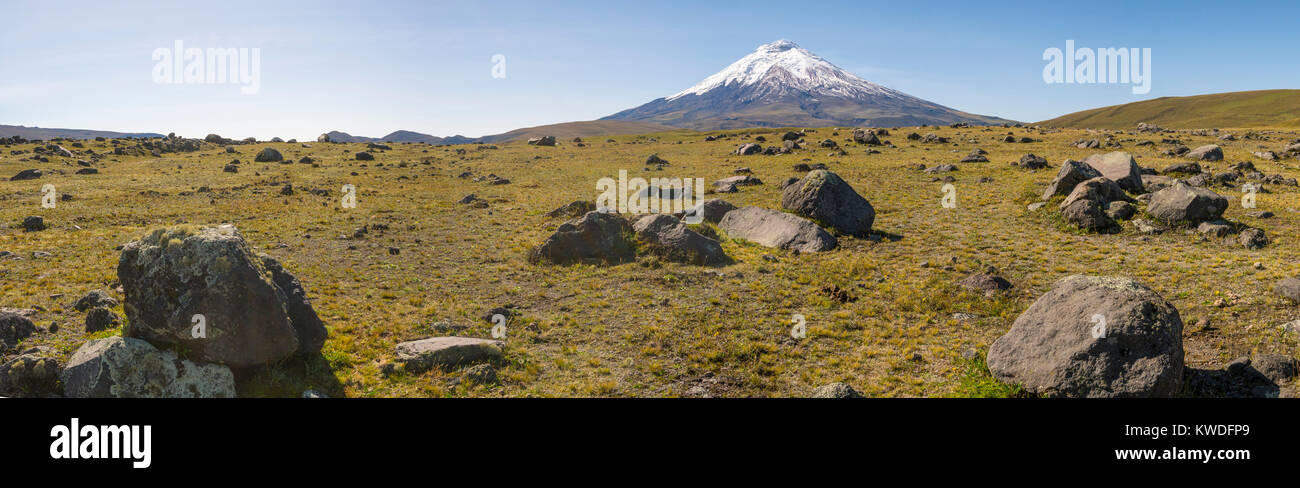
[306,324]
[1101,190]
[27,174]
[597,237]
[1071,174]
[1208,152]
[123,367]
[824,197]
[1087,215]
[269,155]
[1181,203]
[776,229]
[542,141]
[1120,167]
[867,137]
[670,239]
[255,312]
[1093,336]
[447,352]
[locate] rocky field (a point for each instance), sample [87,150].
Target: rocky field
[914,261]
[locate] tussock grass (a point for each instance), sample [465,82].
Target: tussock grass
[649,327]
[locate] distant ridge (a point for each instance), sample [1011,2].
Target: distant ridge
[565,130]
[1261,108]
[46,134]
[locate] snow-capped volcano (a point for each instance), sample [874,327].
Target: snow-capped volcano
[782,84]
[783,65]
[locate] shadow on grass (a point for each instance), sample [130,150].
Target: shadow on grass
[1235,381]
[289,378]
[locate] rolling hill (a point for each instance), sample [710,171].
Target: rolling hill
[565,130]
[1262,108]
[45,134]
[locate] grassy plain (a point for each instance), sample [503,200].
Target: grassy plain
[648,328]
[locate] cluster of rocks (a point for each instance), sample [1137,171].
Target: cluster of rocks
[604,237]
[201,306]
[1098,196]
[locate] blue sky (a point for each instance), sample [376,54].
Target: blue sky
[369,68]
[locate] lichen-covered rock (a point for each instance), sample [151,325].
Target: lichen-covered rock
[30,375]
[835,390]
[249,310]
[824,197]
[123,367]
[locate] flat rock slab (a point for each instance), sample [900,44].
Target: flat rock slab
[447,352]
[1119,167]
[772,228]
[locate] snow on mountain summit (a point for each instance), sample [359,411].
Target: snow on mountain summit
[783,85]
[782,67]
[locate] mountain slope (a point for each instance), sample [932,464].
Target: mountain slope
[569,130]
[45,134]
[781,85]
[565,130]
[1262,108]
